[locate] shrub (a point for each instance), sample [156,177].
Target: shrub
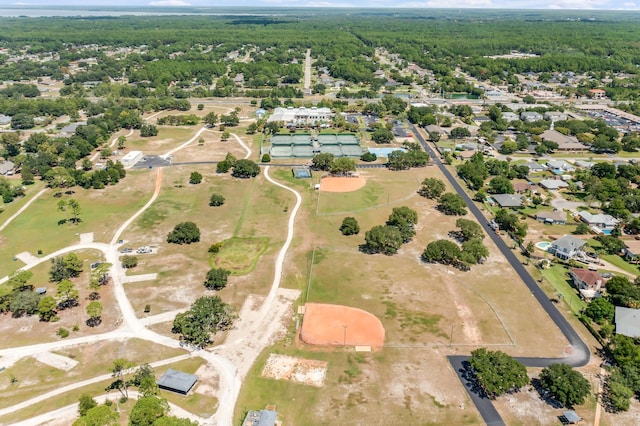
[216,279]
[369,157]
[129,261]
[62,332]
[216,200]
[147,309]
[223,166]
[215,248]
[266,158]
[184,233]
[349,226]
[195,178]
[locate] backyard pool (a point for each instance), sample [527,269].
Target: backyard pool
[543,245]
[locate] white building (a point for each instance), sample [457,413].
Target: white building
[131,158]
[301,115]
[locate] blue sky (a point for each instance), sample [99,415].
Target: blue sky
[502,4]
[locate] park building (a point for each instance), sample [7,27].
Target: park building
[131,158]
[302,115]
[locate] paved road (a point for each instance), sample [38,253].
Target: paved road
[580,353]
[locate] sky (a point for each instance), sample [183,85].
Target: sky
[459,4]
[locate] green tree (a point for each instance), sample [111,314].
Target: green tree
[184,233]
[452,204]
[223,166]
[473,251]
[148,410]
[216,200]
[350,226]
[129,261]
[469,229]
[148,130]
[195,178]
[68,266]
[566,385]
[216,279]
[582,229]
[600,309]
[101,415]
[497,373]
[122,141]
[120,368]
[245,169]
[94,310]
[24,303]
[383,239]
[145,380]
[207,315]
[342,166]
[368,157]
[432,188]
[460,132]
[500,185]
[382,135]
[508,147]
[211,119]
[322,161]
[86,403]
[404,219]
[441,251]
[47,308]
[67,293]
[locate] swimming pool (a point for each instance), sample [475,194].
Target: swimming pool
[543,245]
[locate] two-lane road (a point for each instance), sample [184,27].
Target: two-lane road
[580,351]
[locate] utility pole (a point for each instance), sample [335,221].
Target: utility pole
[344,341]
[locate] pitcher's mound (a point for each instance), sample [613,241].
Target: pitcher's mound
[336,325]
[342,184]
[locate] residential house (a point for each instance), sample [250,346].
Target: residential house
[627,322]
[379,74]
[70,129]
[555,217]
[566,247]
[565,143]
[508,200]
[632,250]
[479,119]
[465,155]
[554,116]
[599,222]
[523,186]
[535,167]
[5,120]
[584,164]
[598,93]
[530,116]
[588,282]
[560,165]
[239,79]
[510,116]
[6,167]
[553,184]
[260,418]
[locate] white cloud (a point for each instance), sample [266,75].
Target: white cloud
[170,3]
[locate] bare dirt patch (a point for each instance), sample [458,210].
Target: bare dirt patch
[299,370]
[342,184]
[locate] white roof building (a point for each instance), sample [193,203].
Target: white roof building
[301,115]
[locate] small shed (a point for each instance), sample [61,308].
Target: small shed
[177,381]
[571,417]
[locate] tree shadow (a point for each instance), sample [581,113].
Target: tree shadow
[94,322]
[544,394]
[471,381]
[62,222]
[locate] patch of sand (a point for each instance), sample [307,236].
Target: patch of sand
[56,361]
[299,370]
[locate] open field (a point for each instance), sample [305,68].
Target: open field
[102,212]
[168,137]
[181,268]
[427,311]
[213,148]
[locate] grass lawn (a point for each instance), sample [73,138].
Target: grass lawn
[102,213]
[240,255]
[557,276]
[6,210]
[618,261]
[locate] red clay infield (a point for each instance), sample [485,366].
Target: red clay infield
[341,184]
[336,325]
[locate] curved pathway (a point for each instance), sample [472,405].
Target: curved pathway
[580,355]
[229,375]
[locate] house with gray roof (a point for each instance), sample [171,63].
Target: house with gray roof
[5,120]
[604,222]
[627,321]
[553,184]
[260,418]
[565,143]
[560,165]
[584,164]
[535,167]
[566,247]
[555,116]
[530,116]
[6,167]
[555,217]
[177,381]
[508,200]
[510,116]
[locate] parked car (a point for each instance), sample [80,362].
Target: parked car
[126,250]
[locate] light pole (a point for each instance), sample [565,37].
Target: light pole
[344,340]
[451,336]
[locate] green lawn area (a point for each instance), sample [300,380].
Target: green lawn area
[240,255]
[618,261]
[625,154]
[557,276]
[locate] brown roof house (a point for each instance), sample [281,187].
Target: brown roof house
[588,282]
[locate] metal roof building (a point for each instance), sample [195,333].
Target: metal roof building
[627,321]
[177,381]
